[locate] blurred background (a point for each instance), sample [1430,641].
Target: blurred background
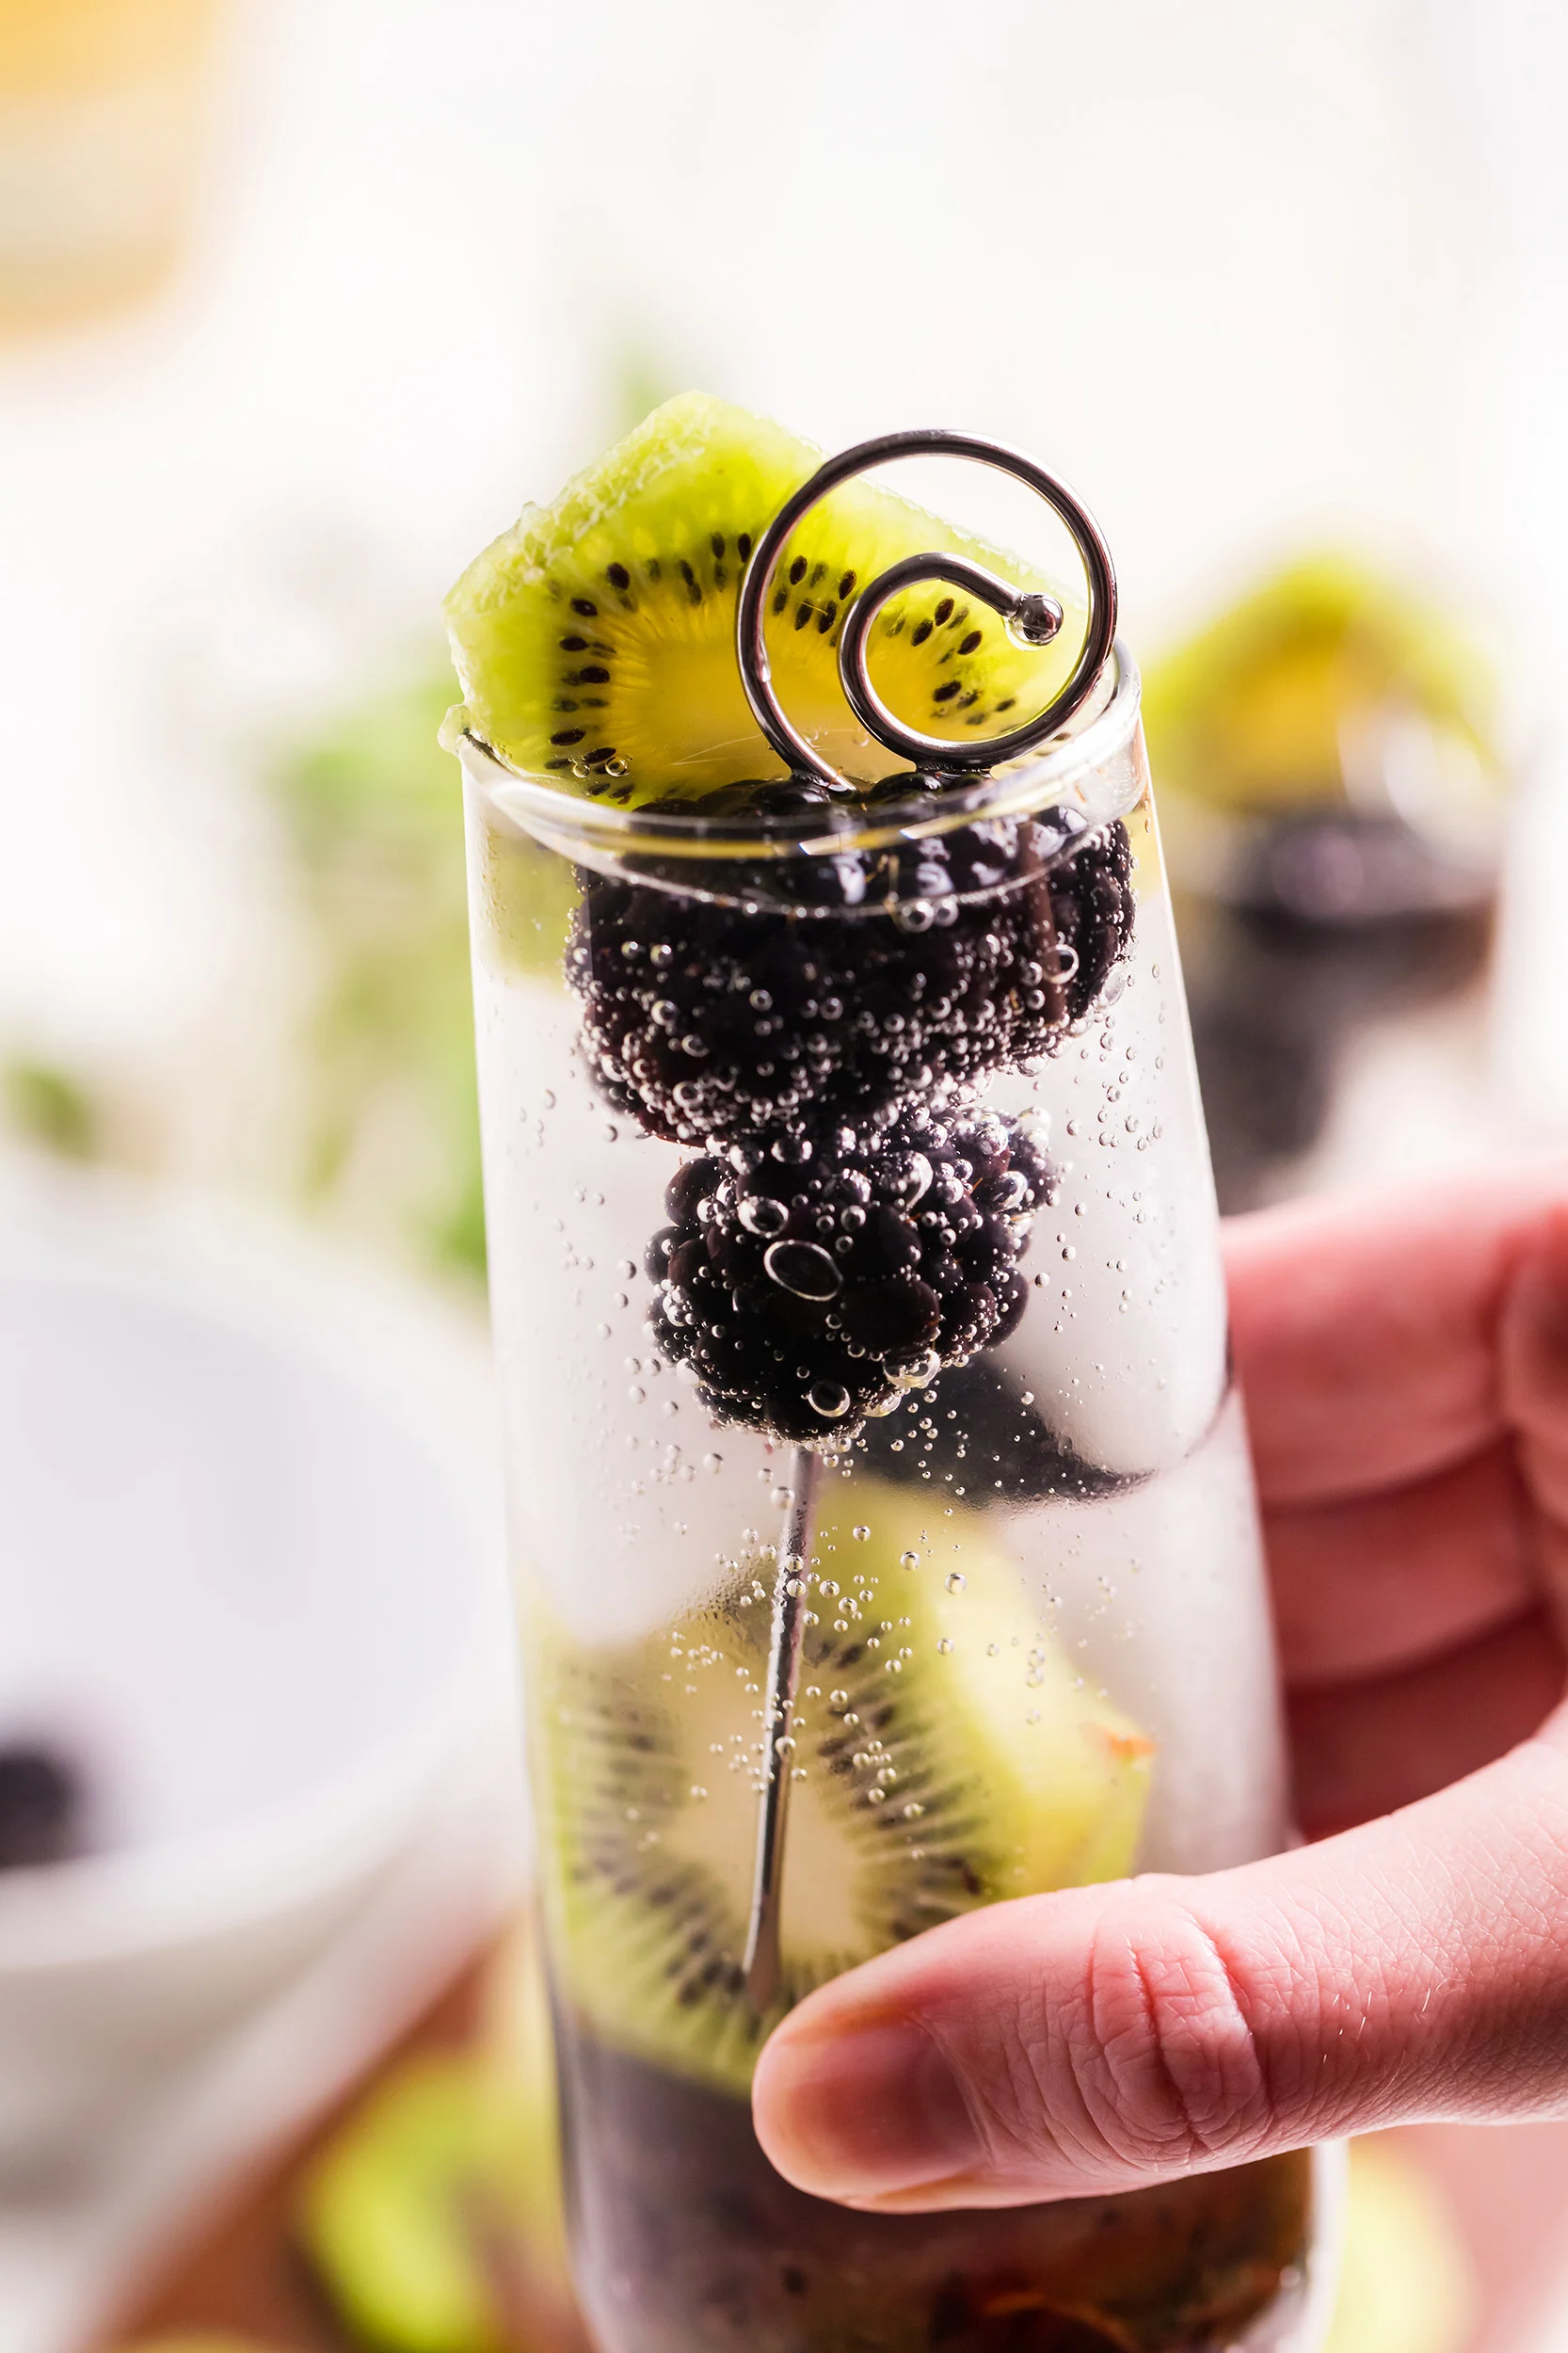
[300,301]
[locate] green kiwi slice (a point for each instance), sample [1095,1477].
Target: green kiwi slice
[441,2185]
[382,2215]
[595,641]
[945,1755]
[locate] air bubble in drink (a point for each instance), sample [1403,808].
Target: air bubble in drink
[914,1178]
[803,1268]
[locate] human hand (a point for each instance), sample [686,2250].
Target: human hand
[1405,1364]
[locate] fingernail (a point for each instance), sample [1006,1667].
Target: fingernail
[862,2113]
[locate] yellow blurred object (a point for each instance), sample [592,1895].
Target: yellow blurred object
[103,108]
[1406,2284]
[1264,709]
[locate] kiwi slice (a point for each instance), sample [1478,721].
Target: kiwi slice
[437,2207]
[386,2214]
[595,641]
[947,1755]
[1253,713]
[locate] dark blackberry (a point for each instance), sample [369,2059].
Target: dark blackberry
[979,1430]
[794,795]
[810,1284]
[1091,903]
[708,1022]
[41,1807]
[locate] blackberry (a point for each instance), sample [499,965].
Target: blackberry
[708,1022]
[812,1282]
[979,1430]
[41,1807]
[1091,903]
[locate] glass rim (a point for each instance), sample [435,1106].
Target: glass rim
[571,823]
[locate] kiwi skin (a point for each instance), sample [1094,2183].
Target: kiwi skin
[948,1761]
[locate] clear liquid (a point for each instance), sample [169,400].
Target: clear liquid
[1036,1653]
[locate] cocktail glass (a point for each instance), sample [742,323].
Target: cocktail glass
[1033,1643]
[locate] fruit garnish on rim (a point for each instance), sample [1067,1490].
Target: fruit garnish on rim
[595,641]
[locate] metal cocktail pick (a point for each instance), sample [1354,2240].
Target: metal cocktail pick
[790,1587]
[1036,621]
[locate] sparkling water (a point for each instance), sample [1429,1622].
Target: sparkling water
[1036,1646]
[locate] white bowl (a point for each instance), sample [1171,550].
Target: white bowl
[250,1573]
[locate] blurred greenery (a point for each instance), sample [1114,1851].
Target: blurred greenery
[374,816]
[638,382]
[48,1106]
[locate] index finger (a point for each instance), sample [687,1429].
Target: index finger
[1364,1328]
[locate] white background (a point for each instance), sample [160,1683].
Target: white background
[1249,274]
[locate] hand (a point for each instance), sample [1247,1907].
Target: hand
[1405,1365]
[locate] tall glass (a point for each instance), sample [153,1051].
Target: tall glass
[1034,1645]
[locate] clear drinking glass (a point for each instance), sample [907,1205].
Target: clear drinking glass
[1035,1648]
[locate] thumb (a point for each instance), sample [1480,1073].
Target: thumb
[1100,2039]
